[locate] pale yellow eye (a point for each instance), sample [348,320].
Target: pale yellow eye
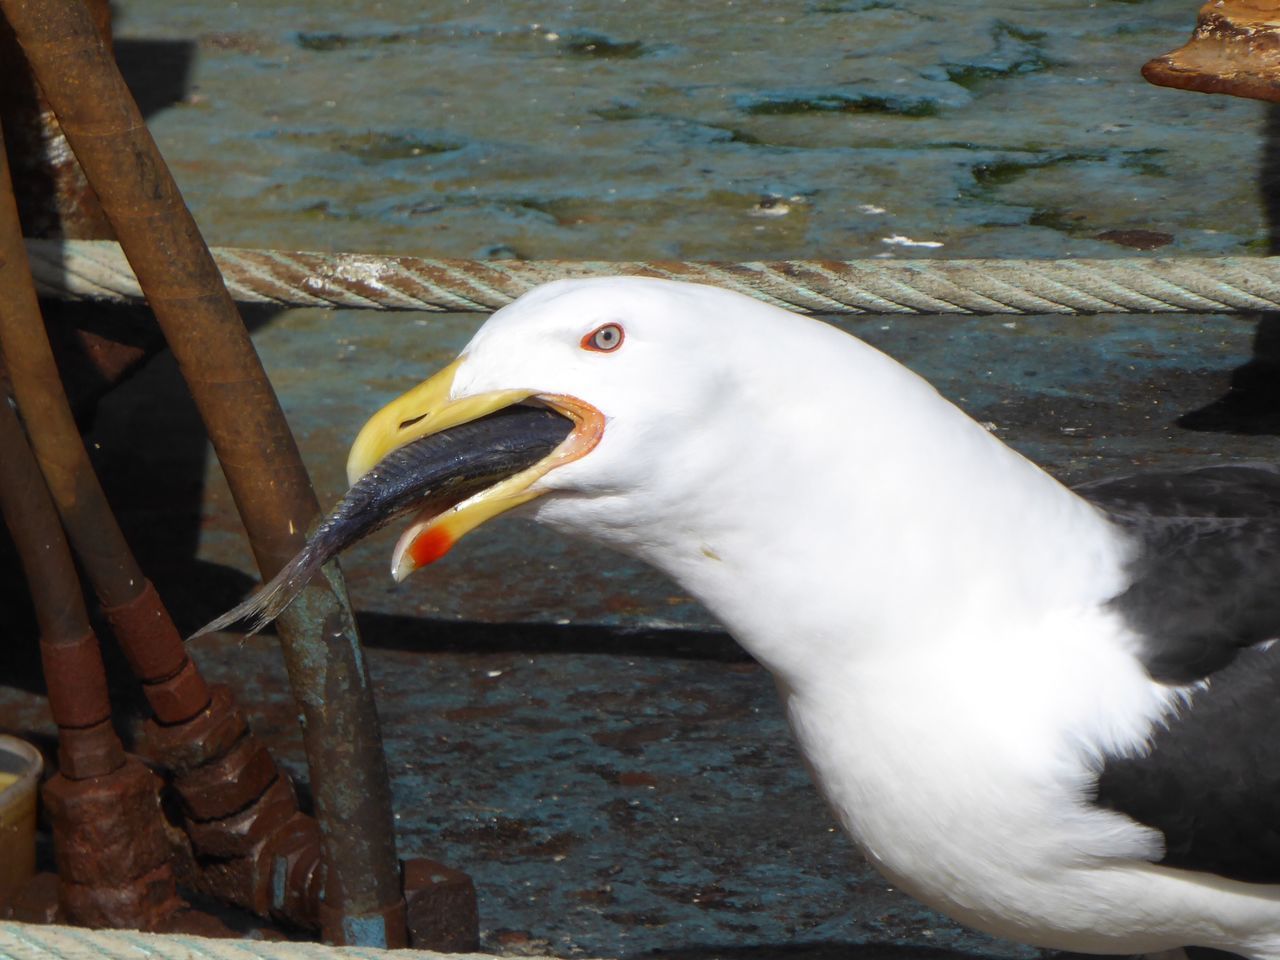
[603,339]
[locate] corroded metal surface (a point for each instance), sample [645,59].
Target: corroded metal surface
[112,849]
[1235,49]
[54,434]
[70,656]
[102,123]
[54,198]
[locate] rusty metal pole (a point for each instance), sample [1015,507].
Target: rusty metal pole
[363,902]
[241,813]
[151,642]
[104,807]
[69,649]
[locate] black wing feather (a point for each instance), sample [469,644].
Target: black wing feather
[1211,781]
[1206,575]
[1205,596]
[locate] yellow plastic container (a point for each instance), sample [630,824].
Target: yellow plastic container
[20,766]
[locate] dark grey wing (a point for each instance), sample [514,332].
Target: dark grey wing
[1211,781]
[1205,598]
[1234,490]
[1205,578]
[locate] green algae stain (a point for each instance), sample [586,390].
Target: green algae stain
[773,106]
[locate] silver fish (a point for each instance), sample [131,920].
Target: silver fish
[434,472]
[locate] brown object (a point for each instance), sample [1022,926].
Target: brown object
[142,625]
[208,735]
[152,656]
[228,784]
[73,667]
[293,853]
[37,902]
[88,752]
[1235,49]
[76,679]
[179,698]
[290,856]
[54,197]
[106,829]
[239,834]
[248,431]
[441,907]
[143,903]
[112,849]
[46,559]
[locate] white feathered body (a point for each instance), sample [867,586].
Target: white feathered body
[932,605]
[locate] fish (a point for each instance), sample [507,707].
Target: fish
[433,473]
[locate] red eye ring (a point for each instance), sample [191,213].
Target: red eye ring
[605,338]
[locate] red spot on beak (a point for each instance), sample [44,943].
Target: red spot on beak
[430,545]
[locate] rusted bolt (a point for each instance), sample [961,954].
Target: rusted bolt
[144,902]
[277,878]
[206,736]
[89,751]
[296,874]
[107,830]
[229,783]
[181,697]
[240,880]
[238,834]
[441,907]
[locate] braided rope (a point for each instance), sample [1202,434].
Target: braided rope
[19,941]
[97,270]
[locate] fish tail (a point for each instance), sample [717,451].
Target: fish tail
[272,598]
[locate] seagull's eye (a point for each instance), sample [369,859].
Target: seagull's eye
[604,339]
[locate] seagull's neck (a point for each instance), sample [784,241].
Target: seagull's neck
[902,530]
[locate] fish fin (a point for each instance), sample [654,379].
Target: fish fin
[271,599]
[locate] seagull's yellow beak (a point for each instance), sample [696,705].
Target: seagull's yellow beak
[430,408]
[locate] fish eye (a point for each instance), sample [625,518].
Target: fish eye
[603,339]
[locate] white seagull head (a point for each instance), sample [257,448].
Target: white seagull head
[669,385]
[750,453]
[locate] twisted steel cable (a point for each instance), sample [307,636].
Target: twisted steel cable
[91,269]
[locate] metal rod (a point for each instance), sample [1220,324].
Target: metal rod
[73,668]
[140,621]
[253,442]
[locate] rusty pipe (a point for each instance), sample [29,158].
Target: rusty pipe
[53,196]
[73,669]
[253,443]
[140,621]
[104,808]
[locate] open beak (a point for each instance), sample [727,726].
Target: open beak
[429,408]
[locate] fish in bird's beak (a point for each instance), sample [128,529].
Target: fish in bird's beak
[451,463]
[430,409]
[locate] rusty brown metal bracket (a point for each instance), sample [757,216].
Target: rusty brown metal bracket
[1235,49]
[362,898]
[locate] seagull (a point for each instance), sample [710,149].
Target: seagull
[1051,714]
